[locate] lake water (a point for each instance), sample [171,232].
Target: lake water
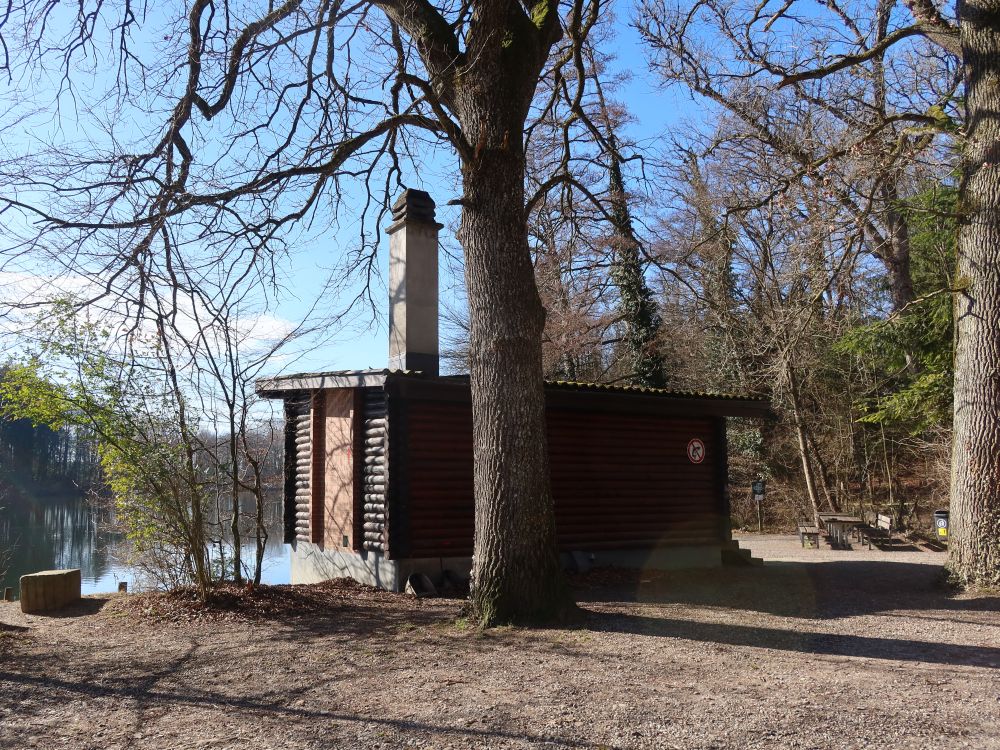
[65,531]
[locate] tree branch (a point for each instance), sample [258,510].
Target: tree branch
[934,26]
[849,61]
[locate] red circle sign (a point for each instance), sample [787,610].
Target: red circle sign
[696,451]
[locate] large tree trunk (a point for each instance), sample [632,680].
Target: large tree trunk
[975,480]
[897,254]
[516,574]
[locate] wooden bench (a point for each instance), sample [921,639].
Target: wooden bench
[878,532]
[809,536]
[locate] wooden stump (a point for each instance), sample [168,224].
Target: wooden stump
[49,590]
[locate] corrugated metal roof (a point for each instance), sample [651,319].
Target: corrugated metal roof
[344,378]
[573,385]
[342,373]
[327,379]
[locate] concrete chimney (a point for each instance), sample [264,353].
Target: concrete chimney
[413,284]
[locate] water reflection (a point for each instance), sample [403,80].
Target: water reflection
[49,531]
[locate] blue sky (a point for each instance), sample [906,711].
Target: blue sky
[361,341]
[365,344]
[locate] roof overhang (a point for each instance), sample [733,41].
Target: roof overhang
[284,385]
[558,394]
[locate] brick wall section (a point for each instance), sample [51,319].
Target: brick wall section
[339,469]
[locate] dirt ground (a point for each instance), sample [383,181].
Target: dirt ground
[817,649]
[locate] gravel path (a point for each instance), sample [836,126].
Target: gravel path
[817,649]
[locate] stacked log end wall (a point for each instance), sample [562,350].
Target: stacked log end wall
[298,462]
[372,469]
[317,469]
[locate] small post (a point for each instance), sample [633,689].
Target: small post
[757,488]
[123,587]
[8,594]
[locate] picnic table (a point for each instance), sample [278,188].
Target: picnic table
[838,526]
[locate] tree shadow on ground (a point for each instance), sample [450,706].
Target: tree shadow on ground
[88,605]
[357,620]
[144,690]
[820,590]
[801,641]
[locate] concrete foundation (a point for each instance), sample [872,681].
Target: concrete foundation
[312,564]
[49,590]
[662,558]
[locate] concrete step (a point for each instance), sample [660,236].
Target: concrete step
[733,554]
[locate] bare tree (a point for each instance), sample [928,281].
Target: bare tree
[572,284]
[603,322]
[769,289]
[962,49]
[860,135]
[253,126]
[225,354]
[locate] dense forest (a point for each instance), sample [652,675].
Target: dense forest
[769,304]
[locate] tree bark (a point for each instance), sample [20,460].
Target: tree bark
[516,574]
[974,557]
[234,502]
[897,254]
[823,471]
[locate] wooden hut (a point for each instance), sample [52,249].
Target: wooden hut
[379,463]
[379,474]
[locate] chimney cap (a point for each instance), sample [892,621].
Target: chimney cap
[413,205]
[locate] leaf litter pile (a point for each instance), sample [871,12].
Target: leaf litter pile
[232,603]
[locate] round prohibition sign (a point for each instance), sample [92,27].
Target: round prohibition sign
[696,451]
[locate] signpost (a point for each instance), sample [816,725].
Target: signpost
[758,488]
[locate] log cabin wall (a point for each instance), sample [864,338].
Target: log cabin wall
[624,481]
[620,479]
[324,432]
[298,460]
[388,463]
[371,469]
[432,479]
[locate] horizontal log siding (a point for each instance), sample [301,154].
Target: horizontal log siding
[298,463]
[620,481]
[373,469]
